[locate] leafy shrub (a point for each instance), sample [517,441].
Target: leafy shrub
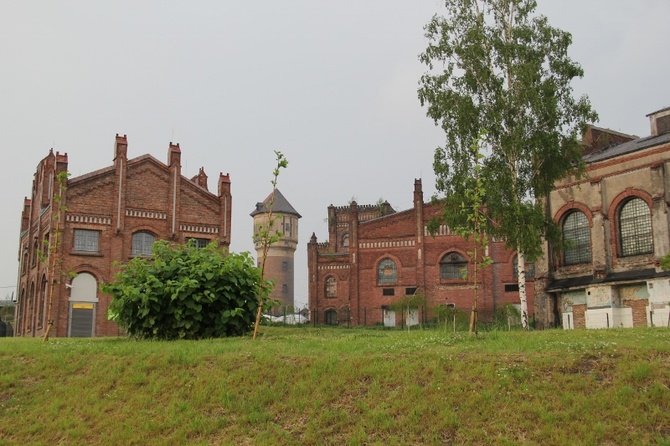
[182,292]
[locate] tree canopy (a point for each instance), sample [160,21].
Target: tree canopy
[495,67]
[183,292]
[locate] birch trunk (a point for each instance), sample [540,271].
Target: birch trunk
[521,278]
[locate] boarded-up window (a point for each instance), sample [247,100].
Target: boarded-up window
[81,319]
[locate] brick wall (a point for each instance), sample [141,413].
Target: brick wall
[639,309]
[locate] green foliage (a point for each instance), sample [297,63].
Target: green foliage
[409,302]
[183,292]
[507,72]
[665,262]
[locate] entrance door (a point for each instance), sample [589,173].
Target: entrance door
[389,318]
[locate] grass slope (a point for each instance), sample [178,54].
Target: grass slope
[311,386]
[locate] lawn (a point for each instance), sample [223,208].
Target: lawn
[316,386]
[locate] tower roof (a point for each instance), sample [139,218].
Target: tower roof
[280,205]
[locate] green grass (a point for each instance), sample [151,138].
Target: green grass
[315,386]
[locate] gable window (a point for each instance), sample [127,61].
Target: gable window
[142,242]
[530,268]
[577,238]
[635,228]
[331,287]
[86,240]
[453,266]
[387,272]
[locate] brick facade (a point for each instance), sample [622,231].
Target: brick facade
[344,281]
[133,196]
[619,250]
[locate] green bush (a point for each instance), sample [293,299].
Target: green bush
[182,292]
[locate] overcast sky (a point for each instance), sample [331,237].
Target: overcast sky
[330,84]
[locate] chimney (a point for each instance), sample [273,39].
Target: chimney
[201,179]
[659,121]
[174,154]
[121,147]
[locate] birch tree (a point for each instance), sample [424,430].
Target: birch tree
[495,66]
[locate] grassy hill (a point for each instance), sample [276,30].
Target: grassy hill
[311,386]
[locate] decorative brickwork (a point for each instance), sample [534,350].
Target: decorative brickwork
[106,207]
[375,233]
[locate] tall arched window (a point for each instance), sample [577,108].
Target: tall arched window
[142,242]
[635,228]
[345,240]
[453,266]
[387,272]
[577,238]
[41,301]
[331,287]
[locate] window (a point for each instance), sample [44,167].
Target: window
[35,249]
[388,291]
[411,291]
[530,268]
[577,238]
[85,240]
[331,317]
[345,240]
[142,242]
[331,287]
[635,228]
[284,266]
[453,266]
[511,287]
[197,242]
[284,288]
[387,272]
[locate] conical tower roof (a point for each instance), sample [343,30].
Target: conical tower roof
[280,205]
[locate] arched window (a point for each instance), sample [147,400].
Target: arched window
[453,266]
[331,317]
[387,272]
[331,287]
[345,240]
[142,242]
[41,302]
[635,228]
[530,268]
[577,238]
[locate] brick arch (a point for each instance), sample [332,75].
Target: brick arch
[571,206]
[613,216]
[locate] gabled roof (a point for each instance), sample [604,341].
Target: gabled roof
[280,205]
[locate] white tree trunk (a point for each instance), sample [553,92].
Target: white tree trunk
[521,277]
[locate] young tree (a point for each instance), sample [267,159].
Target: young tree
[505,71]
[265,236]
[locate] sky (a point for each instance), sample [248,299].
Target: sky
[332,85]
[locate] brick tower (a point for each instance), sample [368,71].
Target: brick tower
[279,264]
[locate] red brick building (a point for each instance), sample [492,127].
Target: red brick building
[375,256]
[106,216]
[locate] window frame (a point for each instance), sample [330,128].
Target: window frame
[330,292]
[452,270]
[384,278]
[141,250]
[579,234]
[640,240]
[84,241]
